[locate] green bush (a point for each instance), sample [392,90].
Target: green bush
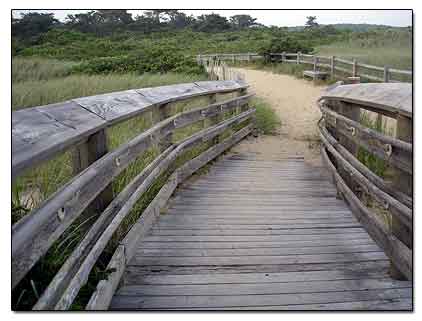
[149,61]
[285,44]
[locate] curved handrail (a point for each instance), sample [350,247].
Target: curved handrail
[39,133]
[342,135]
[37,231]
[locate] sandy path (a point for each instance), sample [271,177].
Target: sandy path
[294,100]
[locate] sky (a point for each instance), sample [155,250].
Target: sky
[290,18]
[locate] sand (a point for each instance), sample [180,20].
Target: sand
[294,100]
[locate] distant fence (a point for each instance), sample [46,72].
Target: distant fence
[336,66]
[217,69]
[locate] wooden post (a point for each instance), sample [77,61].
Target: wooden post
[249,57]
[233,58]
[298,58]
[315,64]
[164,111]
[352,112]
[283,56]
[215,119]
[354,68]
[83,156]
[332,67]
[386,74]
[402,182]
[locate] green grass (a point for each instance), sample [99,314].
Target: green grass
[374,163]
[36,69]
[390,48]
[50,88]
[267,121]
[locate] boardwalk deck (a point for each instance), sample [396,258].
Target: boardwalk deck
[259,235]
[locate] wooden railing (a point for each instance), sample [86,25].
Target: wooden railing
[337,67]
[342,135]
[40,133]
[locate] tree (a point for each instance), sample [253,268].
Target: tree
[114,16]
[211,23]
[311,22]
[241,21]
[31,25]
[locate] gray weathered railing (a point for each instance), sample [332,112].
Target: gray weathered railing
[342,135]
[332,64]
[40,133]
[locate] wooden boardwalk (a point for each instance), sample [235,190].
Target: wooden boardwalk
[256,235]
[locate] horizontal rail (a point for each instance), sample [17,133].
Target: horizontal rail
[101,298]
[118,210]
[392,150]
[37,231]
[387,73]
[40,133]
[404,213]
[342,135]
[398,252]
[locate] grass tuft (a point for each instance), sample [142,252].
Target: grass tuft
[267,121]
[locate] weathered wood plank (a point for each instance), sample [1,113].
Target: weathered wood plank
[257,260]
[372,305]
[256,251]
[250,278]
[153,209]
[146,244]
[395,98]
[116,106]
[261,288]
[185,302]
[41,132]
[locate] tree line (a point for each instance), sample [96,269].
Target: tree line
[107,22]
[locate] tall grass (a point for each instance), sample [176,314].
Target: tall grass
[267,121]
[36,69]
[37,93]
[390,48]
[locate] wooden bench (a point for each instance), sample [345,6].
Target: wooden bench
[315,74]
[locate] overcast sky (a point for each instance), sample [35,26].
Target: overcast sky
[400,18]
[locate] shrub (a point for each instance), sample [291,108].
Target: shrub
[284,44]
[155,60]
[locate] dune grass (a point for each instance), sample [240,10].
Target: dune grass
[267,121]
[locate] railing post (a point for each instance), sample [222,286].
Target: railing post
[315,64]
[332,67]
[249,57]
[215,119]
[298,58]
[402,182]
[354,68]
[283,56]
[165,111]
[386,74]
[83,156]
[352,112]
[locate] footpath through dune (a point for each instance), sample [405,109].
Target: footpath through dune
[294,100]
